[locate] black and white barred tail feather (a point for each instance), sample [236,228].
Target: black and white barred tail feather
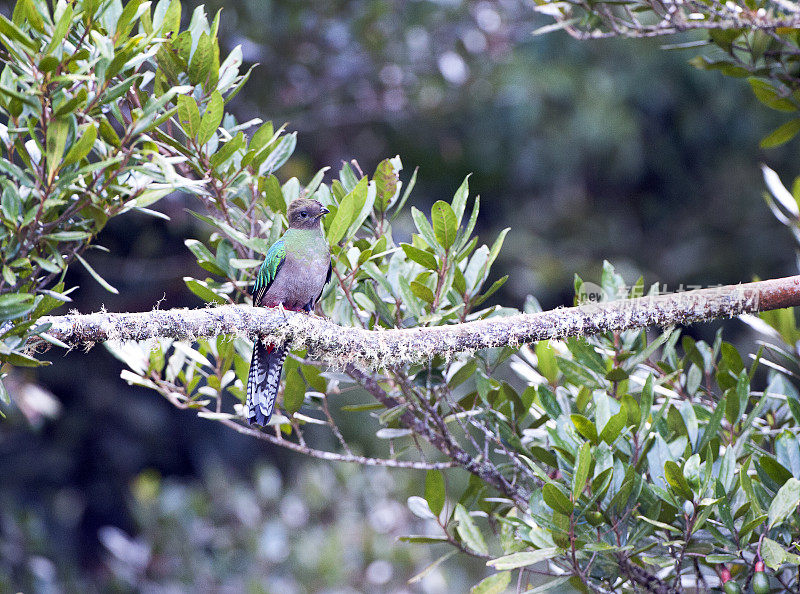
[263,382]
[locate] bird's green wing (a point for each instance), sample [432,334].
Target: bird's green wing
[269,270]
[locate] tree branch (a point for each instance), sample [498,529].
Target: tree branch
[333,456]
[340,346]
[444,443]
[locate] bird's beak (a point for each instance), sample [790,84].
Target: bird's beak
[323,211]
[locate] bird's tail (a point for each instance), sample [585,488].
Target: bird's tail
[263,382]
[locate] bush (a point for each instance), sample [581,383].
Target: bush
[621,462]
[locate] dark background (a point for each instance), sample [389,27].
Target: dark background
[613,150]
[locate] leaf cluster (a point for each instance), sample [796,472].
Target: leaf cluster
[90,95]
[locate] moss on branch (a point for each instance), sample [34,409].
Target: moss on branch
[338,345]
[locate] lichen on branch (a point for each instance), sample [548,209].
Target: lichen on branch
[338,345]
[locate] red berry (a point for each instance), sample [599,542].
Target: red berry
[725,574]
[759,566]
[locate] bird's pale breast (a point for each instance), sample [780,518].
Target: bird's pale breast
[302,275]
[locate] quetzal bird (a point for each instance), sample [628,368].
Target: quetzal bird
[295,270]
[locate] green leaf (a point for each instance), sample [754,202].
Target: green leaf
[201,60]
[581,473]
[422,292]
[769,96]
[202,291]
[545,355]
[445,224]
[434,491]
[263,137]
[83,145]
[103,282]
[524,558]
[421,257]
[675,478]
[274,194]
[463,374]
[204,257]
[422,539]
[732,357]
[69,106]
[617,374]
[748,527]
[49,64]
[775,555]
[279,155]
[228,149]
[781,134]
[556,500]
[646,401]
[493,253]
[785,502]
[469,532]
[346,213]
[787,450]
[549,402]
[57,132]
[794,408]
[29,11]
[188,114]
[60,30]
[243,263]
[386,184]
[294,390]
[13,32]
[211,118]
[490,291]
[460,200]
[424,227]
[19,359]
[774,470]
[126,19]
[108,133]
[149,197]
[494,584]
[398,206]
[585,427]
[658,524]
[172,19]
[69,235]
[48,265]
[712,427]
[15,305]
[615,425]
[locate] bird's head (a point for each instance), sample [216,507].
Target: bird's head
[305,213]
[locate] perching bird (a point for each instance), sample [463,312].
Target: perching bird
[295,270]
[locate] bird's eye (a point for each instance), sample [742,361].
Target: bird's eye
[303,214]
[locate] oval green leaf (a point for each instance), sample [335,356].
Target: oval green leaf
[445,224]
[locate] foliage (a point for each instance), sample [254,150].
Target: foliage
[594,149]
[613,459]
[321,527]
[751,39]
[87,90]
[614,463]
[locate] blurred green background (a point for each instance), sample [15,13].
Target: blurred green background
[614,150]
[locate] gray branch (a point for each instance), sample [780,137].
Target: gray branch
[339,345]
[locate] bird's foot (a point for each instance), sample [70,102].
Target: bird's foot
[283,311]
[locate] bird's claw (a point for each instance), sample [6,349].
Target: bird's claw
[282,310]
